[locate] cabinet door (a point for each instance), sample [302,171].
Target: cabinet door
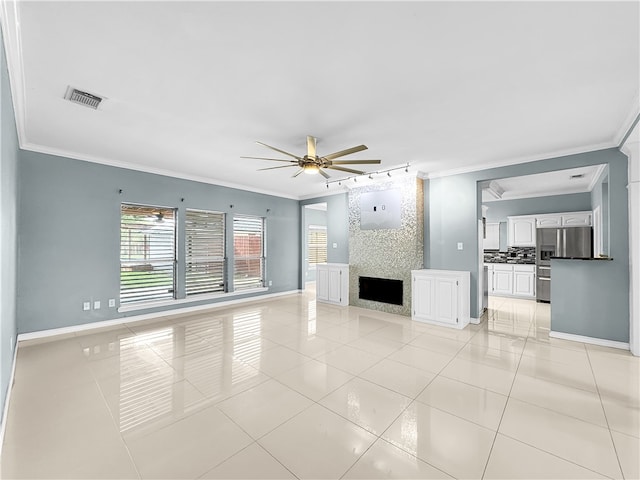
[322,283]
[446,300]
[492,240]
[522,232]
[549,221]
[502,282]
[523,284]
[579,219]
[335,285]
[424,297]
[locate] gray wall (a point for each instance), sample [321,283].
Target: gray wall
[454,207]
[8,228]
[574,202]
[69,234]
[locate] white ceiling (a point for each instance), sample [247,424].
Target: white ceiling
[543,184]
[190,86]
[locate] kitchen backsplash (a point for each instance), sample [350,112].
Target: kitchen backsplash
[512,255]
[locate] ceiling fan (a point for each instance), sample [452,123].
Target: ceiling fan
[311,163]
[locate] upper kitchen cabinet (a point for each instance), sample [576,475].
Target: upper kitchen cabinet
[492,238]
[570,219]
[522,231]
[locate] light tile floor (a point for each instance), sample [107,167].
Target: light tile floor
[291,388]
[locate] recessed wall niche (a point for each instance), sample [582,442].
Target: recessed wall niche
[386,243]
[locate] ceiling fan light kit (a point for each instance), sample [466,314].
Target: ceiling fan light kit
[312,163]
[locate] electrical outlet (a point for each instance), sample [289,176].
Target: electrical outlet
[460,246]
[112,302]
[96,305]
[86,306]
[335,245]
[270,283]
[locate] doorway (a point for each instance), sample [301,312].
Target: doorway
[314,242]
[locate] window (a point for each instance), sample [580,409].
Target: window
[205,261]
[248,248]
[147,253]
[317,244]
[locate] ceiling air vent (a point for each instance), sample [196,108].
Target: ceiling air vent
[576,177]
[83,98]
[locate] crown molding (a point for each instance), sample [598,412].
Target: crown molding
[524,159]
[596,176]
[629,122]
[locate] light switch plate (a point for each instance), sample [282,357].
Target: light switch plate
[96,305]
[86,306]
[460,246]
[112,302]
[335,245]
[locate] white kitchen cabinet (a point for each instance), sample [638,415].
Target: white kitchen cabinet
[441,297]
[492,238]
[522,231]
[576,219]
[502,279]
[543,221]
[332,283]
[512,280]
[524,280]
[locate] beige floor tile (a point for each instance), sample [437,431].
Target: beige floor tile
[377,345]
[401,378]
[313,346]
[274,361]
[490,356]
[573,402]
[509,343]
[187,448]
[262,408]
[449,443]
[622,417]
[480,375]
[350,359]
[76,442]
[511,459]
[384,460]
[366,404]
[545,351]
[619,387]
[340,334]
[628,450]
[570,375]
[253,462]
[317,443]
[420,358]
[314,379]
[569,438]
[471,403]
[402,333]
[437,344]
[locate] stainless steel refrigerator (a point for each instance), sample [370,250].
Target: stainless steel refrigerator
[569,242]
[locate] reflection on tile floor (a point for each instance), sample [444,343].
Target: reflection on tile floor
[291,388]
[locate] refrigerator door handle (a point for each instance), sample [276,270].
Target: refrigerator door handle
[558,250]
[564,242]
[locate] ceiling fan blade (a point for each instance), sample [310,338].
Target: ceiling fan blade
[272,168]
[355,162]
[342,153]
[323,173]
[278,150]
[311,146]
[298,173]
[343,169]
[272,159]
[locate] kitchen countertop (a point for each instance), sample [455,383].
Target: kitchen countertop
[580,258]
[514,262]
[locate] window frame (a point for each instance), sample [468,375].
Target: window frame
[262,257]
[203,260]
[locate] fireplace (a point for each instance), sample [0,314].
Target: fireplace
[381,290]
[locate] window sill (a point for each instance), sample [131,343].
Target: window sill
[181,301]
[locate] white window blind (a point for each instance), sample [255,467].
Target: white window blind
[317,244]
[147,253]
[205,261]
[248,248]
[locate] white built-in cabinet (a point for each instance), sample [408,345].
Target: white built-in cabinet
[332,283]
[440,297]
[570,219]
[492,237]
[522,231]
[512,280]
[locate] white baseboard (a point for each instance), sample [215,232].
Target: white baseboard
[590,340]
[7,399]
[147,316]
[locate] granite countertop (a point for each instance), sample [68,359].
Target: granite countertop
[581,258]
[513,262]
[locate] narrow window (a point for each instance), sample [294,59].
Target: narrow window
[317,245]
[147,253]
[205,259]
[248,248]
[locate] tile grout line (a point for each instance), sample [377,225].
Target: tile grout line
[606,419]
